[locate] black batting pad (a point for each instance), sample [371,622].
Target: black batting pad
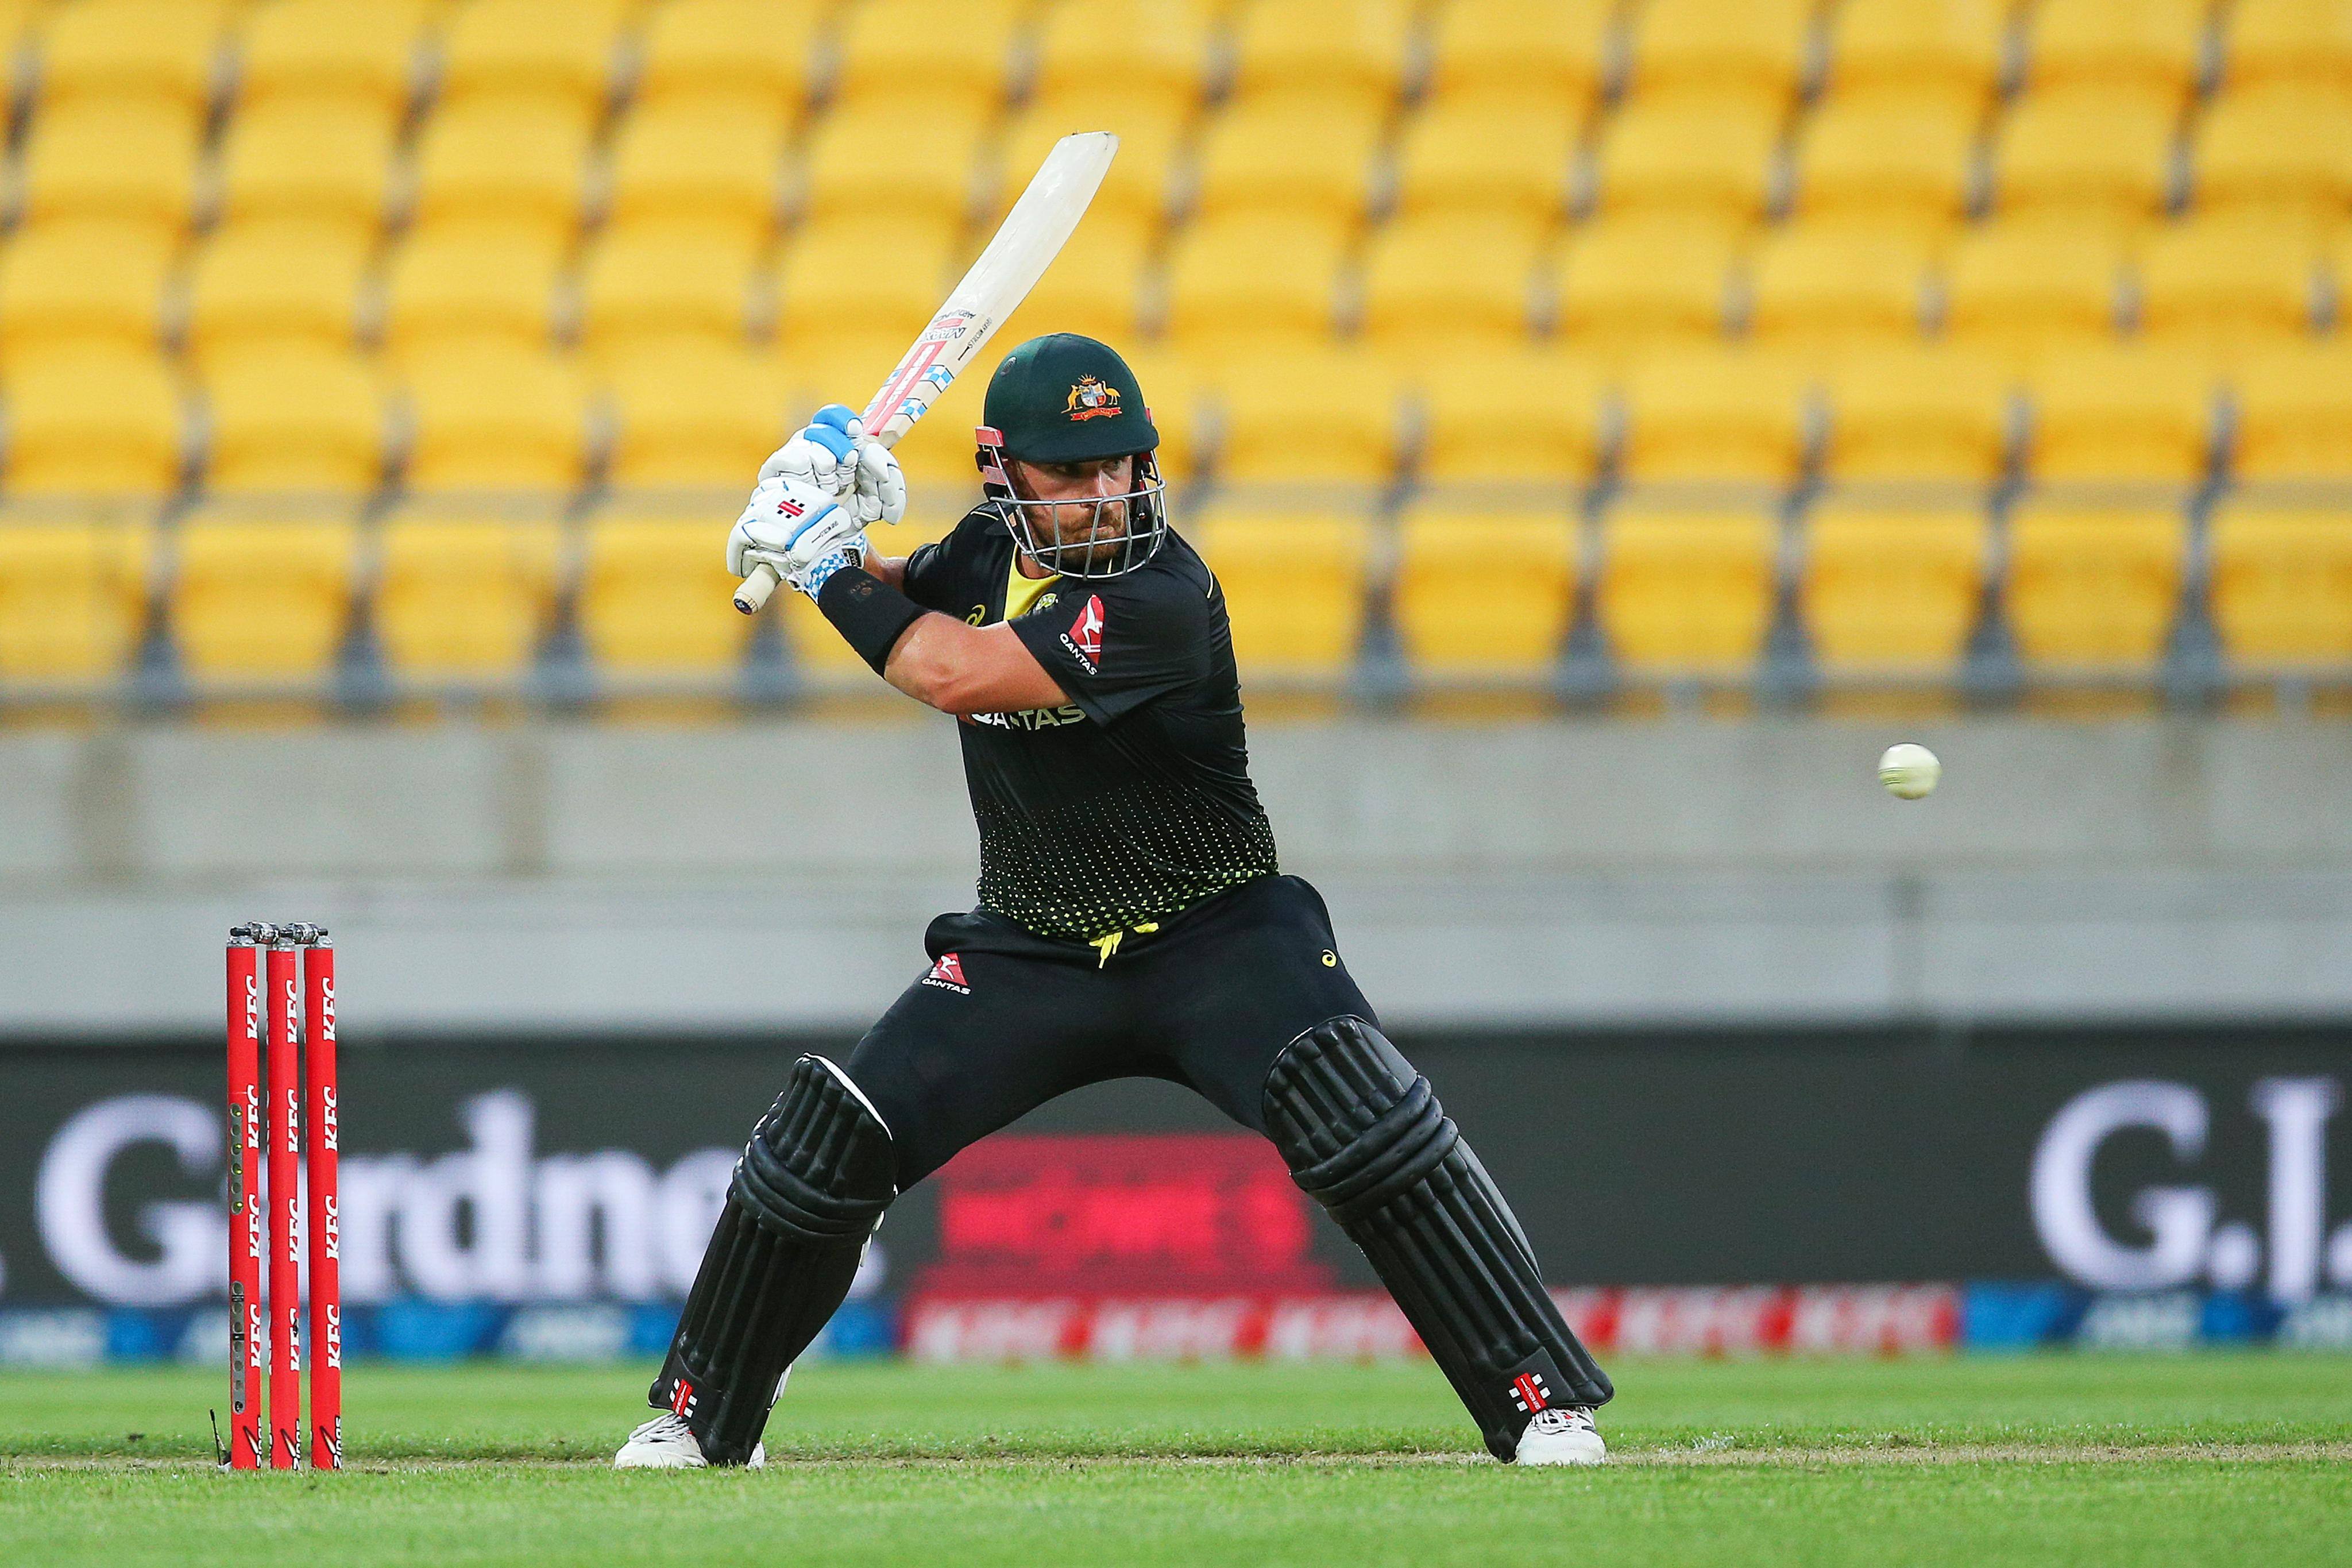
[808,1192]
[1366,1137]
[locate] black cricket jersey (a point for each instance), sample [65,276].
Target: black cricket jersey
[1133,801]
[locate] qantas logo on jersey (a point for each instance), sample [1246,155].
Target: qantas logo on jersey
[1086,634]
[948,975]
[1032,718]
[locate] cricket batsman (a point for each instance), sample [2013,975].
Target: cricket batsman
[1132,921]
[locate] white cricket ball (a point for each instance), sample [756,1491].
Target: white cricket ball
[1909,772]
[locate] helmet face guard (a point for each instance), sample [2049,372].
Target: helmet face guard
[1038,527]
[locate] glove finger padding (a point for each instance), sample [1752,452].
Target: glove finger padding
[881,485]
[821,453]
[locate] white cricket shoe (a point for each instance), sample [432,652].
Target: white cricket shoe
[1563,1434]
[667,1443]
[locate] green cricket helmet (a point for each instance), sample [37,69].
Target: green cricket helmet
[1064,398]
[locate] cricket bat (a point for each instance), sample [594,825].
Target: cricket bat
[1032,235]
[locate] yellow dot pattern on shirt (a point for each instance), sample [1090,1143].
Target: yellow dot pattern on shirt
[1116,859]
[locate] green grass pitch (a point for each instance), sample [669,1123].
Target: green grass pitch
[2155,1459]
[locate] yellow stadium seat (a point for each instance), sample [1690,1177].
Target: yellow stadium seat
[558,49]
[127,159]
[754,53]
[695,414]
[2305,41]
[1685,154]
[2087,153]
[504,160]
[1149,132]
[1917,49]
[461,597]
[2295,413]
[469,280]
[1916,417]
[362,52]
[1435,284]
[2282,592]
[1687,592]
[17,18]
[709,164]
[322,159]
[1547,56]
[1457,616]
[158,53]
[1750,48]
[1823,288]
[1891,590]
[2093,587]
[2132,413]
[1241,279]
[487,416]
[2149,46]
[275,281]
[864,276]
[294,418]
[94,421]
[1294,586]
[72,601]
[1153,53]
[933,161]
[661,281]
[1286,156]
[1327,418]
[1347,56]
[2019,288]
[1633,284]
[2229,283]
[2284,149]
[261,597]
[65,282]
[1094,286]
[653,598]
[1486,159]
[1891,160]
[925,57]
[1716,417]
[1528,417]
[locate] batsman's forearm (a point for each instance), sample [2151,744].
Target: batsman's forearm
[943,663]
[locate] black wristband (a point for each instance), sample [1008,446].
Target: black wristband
[870,614]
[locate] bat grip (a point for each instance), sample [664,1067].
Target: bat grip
[755,589]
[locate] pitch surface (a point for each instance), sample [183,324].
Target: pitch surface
[2159,1459]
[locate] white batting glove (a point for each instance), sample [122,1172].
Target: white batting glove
[832,452]
[822,454]
[879,492]
[790,526]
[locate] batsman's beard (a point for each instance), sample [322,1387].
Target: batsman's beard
[1077,536]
